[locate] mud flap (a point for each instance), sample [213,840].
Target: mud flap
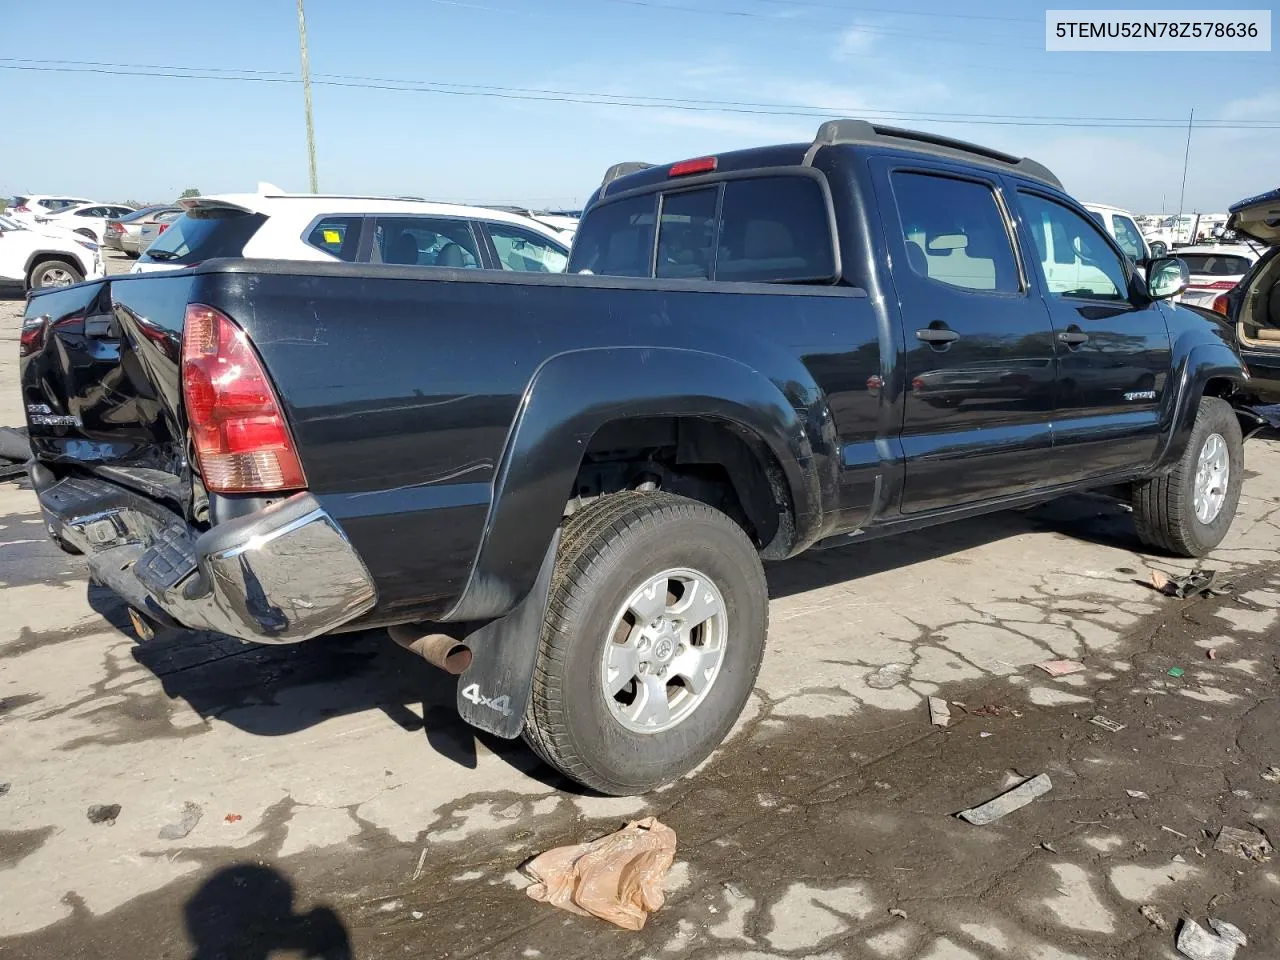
[493,693]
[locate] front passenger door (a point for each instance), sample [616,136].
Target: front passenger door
[1114,356]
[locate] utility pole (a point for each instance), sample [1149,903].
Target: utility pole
[1183,195]
[306,94]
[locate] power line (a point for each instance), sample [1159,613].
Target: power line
[625,101]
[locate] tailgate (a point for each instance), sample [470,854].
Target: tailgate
[100,369]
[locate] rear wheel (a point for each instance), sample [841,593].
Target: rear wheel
[654,634]
[1189,510]
[53,273]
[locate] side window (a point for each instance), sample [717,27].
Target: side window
[775,230]
[525,250]
[426,242]
[686,235]
[955,233]
[339,236]
[1127,236]
[1075,258]
[91,212]
[616,239]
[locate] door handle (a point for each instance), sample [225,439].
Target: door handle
[1073,337]
[937,337]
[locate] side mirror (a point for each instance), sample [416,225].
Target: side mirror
[1158,248]
[1167,277]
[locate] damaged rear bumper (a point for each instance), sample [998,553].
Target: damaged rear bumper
[280,575]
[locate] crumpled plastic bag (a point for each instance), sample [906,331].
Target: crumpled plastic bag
[618,878]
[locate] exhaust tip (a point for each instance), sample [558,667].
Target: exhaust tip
[438,649]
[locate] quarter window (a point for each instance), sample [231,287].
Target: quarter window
[1127,236]
[525,250]
[426,242]
[1075,258]
[954,233]
[339,236]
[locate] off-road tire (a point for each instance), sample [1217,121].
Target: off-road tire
[34,278]
[1164,507]
[607,550]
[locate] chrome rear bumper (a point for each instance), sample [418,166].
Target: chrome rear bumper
[280,575]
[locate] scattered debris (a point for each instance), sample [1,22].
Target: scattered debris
[1197,943]
[4,787]
[1106,724]
[233,818]
[1046,845]
[734,890]
[1177,857]
[1127,571]
[1137,795]
[1175,833]
[1229,931]
[888,676]
[1242,794]
[1271,776]
[1006,803]
[1212,654]
[191,814]
[103,812]
[1176,672]
[992,710]
[939,712]
[618,877]
[416,914]
[1154,917]
[1198,583]
[984,735]
[1061,668]
[899,913]
[1245,844]
[422,862]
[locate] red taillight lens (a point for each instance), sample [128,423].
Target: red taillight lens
[1216,285]
[686,168]
[241,439]
[32,338]
[163,228]
[1220,304]
[116,228]
[22,209]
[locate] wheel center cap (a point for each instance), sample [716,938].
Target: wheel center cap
[663,649]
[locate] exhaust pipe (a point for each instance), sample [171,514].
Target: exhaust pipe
[438,649]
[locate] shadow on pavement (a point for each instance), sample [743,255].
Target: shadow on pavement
[247,912]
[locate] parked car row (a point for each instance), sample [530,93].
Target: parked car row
[129,233]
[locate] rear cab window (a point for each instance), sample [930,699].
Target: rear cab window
[772,228]
[204,233]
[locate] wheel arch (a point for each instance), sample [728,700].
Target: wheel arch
[575,395]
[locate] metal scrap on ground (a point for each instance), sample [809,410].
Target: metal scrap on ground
[1198,583]
[1061,668]
[1006,803]
[939,712]
[618,877]
[1245,844]
[1197,943]
[1106,724]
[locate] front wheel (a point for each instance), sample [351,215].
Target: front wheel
[53,273]
[653,637]
[1189,510]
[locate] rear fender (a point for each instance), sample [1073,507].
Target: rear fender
[570,397]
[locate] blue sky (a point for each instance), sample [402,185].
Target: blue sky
[116,137]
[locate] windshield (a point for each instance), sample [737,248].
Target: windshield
[204,233]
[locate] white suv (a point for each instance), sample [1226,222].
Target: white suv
[34,258]
[1120,224]
[87,219]
[274,225]
[39,205]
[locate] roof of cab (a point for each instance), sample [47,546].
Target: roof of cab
[633,175]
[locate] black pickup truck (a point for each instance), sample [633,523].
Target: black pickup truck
[564,486]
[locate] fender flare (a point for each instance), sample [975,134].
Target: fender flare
[1203,362]
[570,396]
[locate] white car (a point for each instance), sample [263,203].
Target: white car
[33,258]
[1215,268]
[87,219]
[1123,229]
[27,208]
[274,225]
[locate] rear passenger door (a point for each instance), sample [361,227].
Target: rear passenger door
[525,251]
[977,421]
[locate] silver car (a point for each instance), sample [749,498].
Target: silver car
[150,230]
[125,233]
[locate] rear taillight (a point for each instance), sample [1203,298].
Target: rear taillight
[32,338]
[239,432]
[116,228]
[23,208]
[163,228]
[1216,285]
[1221,304]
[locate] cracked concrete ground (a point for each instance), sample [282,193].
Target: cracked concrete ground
[345,811]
